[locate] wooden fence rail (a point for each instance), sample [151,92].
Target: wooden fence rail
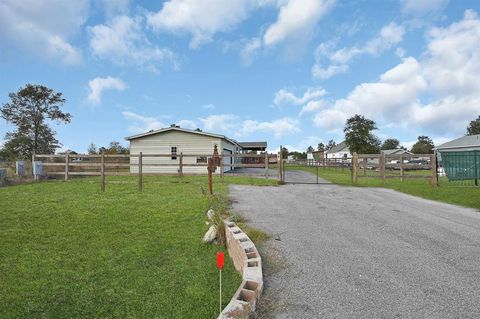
[98,164]
[382,163]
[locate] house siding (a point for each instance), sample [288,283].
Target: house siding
[186,143]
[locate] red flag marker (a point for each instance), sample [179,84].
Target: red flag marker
[220,263]
[220,260]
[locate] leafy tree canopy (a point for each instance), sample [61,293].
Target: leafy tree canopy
[424,145]
[28,110]
[320,147]
[310,149]
[390,144]
[113,148]
[359,137]
[330,144]
[474,127]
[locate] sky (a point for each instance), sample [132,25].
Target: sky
[289,72]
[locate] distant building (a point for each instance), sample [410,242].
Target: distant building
[464,143]
[339,151]
[396,151]
[175,141]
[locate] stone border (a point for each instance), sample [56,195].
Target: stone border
[248,262]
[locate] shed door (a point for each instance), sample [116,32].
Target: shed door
[227,160]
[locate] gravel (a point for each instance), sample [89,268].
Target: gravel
[366,252]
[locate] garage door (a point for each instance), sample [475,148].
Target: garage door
[227,160]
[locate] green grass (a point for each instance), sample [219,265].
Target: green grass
[69,251]
[447,192]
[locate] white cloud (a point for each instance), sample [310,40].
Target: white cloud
[303,144]
[200,19]
[142,123]
[43,27]
[208,106]
[123,41]
[423,7]
[116,7]
[446,76]
[98,85]
[249,50]
[187,124]
[219,122]
[285,96]
[278,128]
[338,60]
[296,18]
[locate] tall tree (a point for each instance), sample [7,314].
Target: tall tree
[284,152]
[359,137]
[92,149]
[330,144]
[320,147]
[28,110]
[310,149]
[424,145]
[117,148]
[390,144]
[474,127]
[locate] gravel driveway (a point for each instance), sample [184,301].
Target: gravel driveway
[366,252]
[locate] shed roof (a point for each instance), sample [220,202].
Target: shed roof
[253,145]
[395,151]
[462,142]
[338,147]
[176,128]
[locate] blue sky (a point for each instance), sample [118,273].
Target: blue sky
[286,71]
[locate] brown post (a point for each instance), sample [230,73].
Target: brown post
[180,164]
[222,159]
[102,172]
[279,164]
[140,172]
[210,182]
[382,167]
[433,163]
[33,164]
[355,168]
[401,168]
[266,164]
[364,166]
[66,166]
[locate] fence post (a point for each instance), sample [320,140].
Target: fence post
[222,159]
[382,167]
[66,166]
[433,164]
[355,168]
[102,173]
[210,182]
[401,168]
[140,172]
[33,164]
[364,166]
[266,164]
[180,164]
[279,164]
[475,155]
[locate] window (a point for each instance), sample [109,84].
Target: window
[201,159]
[174,152]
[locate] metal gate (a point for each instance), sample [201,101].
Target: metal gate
[309,171]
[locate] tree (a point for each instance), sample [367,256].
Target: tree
[310,149]
[284,152]
[92,149]
[390,144]
[359,137]
[424,145]
[28,110]
[474,127]
[116,148]
[320,147]
[330,144]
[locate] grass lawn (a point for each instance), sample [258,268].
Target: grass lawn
[69,251]
[447,192]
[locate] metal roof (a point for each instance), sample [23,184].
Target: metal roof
[395,151]
[462,142]
[338,148]
[253,144]
[176,128]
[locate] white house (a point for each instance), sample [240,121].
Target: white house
[175,141]
[339,151]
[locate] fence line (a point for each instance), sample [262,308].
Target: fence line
[383,162]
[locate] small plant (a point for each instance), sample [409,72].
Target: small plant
[219,224]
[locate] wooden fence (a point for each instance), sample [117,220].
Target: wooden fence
[397,166]
[69,165]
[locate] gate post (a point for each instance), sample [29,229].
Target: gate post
[433,163]
[355,168]
[279,164]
